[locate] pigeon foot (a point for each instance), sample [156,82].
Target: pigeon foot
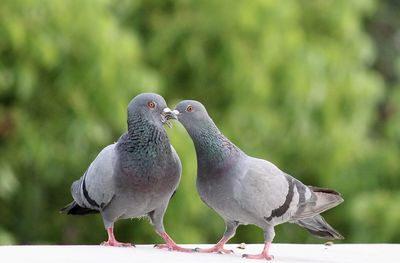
[217,248]
[173,247]
[264,254]
[170,244]
[112,242]
[214,249]
[259,256]
[115,243]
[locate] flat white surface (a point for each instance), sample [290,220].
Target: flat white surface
[363,253]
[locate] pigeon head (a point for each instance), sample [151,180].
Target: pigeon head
[194,117]
[151,107]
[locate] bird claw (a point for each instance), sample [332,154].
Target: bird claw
[116,244]
[173,248]
[214,250]
[162,246]
[259,256]
[226,251]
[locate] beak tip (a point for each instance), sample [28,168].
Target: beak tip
[170,114]
[167,110]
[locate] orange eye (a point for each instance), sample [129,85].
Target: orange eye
[151,104]
[189,108]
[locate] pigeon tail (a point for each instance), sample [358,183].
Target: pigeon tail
[74,209]
[326,198]
[319,227]
[323,199]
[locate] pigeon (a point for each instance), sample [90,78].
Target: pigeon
[134,177]
[247,190]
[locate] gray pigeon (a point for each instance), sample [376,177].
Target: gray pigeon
[135,176]
[247,190]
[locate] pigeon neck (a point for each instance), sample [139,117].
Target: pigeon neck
[213,147]
[146,138]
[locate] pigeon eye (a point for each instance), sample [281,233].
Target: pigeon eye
[189,108]
[151,104]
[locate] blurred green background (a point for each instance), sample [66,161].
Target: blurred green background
[312,86]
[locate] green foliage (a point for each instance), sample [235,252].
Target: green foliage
[366,225]
[289,81]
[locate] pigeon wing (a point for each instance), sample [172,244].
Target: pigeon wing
[265,191]
[95,189]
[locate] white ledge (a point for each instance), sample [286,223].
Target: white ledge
[343,253]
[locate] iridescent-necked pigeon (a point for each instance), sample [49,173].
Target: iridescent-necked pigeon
[247,190]
[135,176]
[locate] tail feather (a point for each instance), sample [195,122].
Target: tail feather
[322,200]
[319,227]
[324,190]
[74,209]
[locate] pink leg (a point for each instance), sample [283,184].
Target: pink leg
[170,244]
[112,242]
[218,248]
[264,254]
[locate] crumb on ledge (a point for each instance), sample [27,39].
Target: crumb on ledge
[242,246]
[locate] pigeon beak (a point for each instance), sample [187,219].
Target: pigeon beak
[170,114]
[166,115]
